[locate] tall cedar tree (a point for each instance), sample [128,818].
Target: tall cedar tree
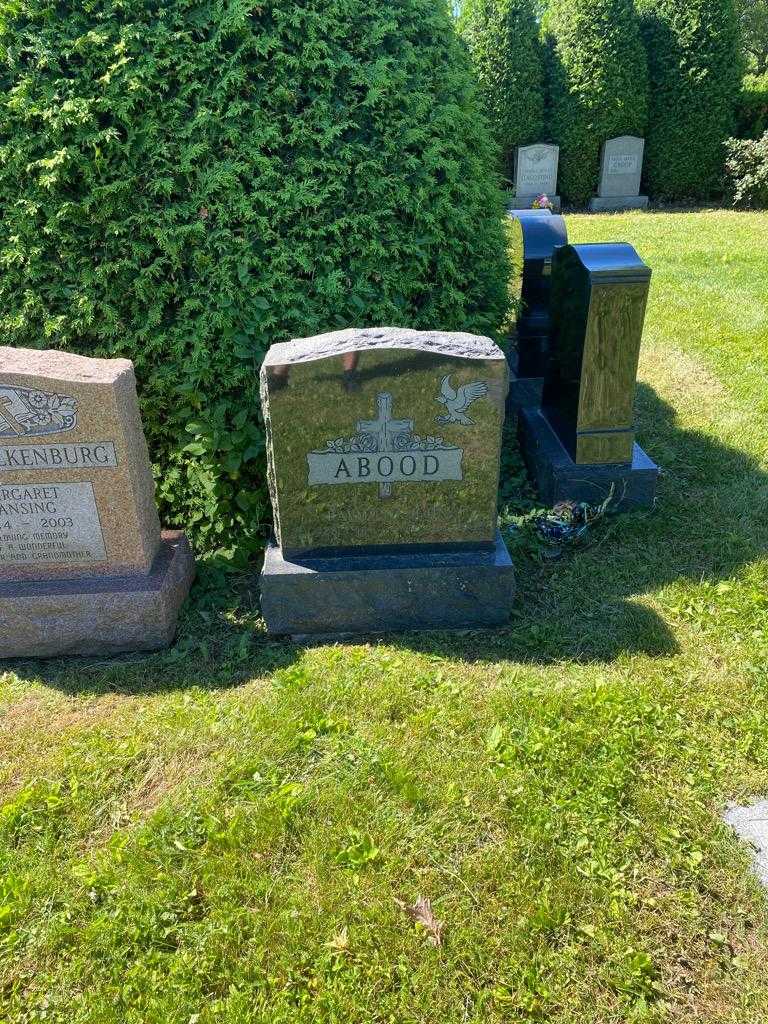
[695,68]
[185,182]
[503,41]
[598,84]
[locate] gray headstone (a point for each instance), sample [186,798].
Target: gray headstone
[621,167]
[536,170]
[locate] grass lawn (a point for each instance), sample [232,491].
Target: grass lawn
[222,832]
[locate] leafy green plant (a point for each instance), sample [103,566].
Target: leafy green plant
[746,170]
[695,70]
[752,107]
[359,851]
[503,41]
[598,84]
[184,183]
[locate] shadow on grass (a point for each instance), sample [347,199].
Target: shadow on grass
[707,525]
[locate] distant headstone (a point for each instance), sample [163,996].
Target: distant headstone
[621,168]
[84,568]
[384,448]
[540,237]
[581,445]
[535,175]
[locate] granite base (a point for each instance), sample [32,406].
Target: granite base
[383,593]
[558,478]
[606,204]
[98,616]
[524,393]
[526,202]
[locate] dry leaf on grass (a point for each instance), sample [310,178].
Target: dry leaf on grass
[421,913]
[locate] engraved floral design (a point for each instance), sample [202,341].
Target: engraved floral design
[404,442]
[50,410]
[357,443]
[30,411]
[414,443]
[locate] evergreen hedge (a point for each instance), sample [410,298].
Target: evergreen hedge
[184,182]
[507,57]
[695,68]
[598,84]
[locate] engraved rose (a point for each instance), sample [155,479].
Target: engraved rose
[405,442]
[37,400]
[363,443]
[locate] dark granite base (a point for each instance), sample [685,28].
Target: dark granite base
[108,615]
[387,593]
[524,393]
[558,478]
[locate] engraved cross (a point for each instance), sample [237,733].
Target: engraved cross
[5,412]
[385,429]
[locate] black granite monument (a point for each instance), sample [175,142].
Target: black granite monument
[542,232]
[581,444]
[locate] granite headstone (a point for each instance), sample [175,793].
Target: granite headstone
[621,168]
[535,174]
[540,236]
[581,444]
[383,452]
[84,567]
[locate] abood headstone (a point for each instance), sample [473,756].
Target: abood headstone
[84,568]
[581,444]
[384,448]
[535,175]
[621,168]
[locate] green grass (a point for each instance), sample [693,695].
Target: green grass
[221,833]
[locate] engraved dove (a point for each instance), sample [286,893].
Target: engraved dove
[457,402]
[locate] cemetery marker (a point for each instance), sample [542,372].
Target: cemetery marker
[84,568]
[386,521]
[581,444]
[621,168]
[535,174]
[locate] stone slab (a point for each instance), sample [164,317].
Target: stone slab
[76,489]
[524,202]
[615,203]
[536,170]
[382,593]
[99,615]
[524,393]
[750,823]
[558,478]
[384,437]
[621,166]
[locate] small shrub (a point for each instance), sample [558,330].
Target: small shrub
[598,84]
[694,59]
[752,109]
[185,182]
[503,41]
[746,170]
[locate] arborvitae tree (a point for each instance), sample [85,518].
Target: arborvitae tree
[183,182]
[598,84]
[695,69]
[503,40]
